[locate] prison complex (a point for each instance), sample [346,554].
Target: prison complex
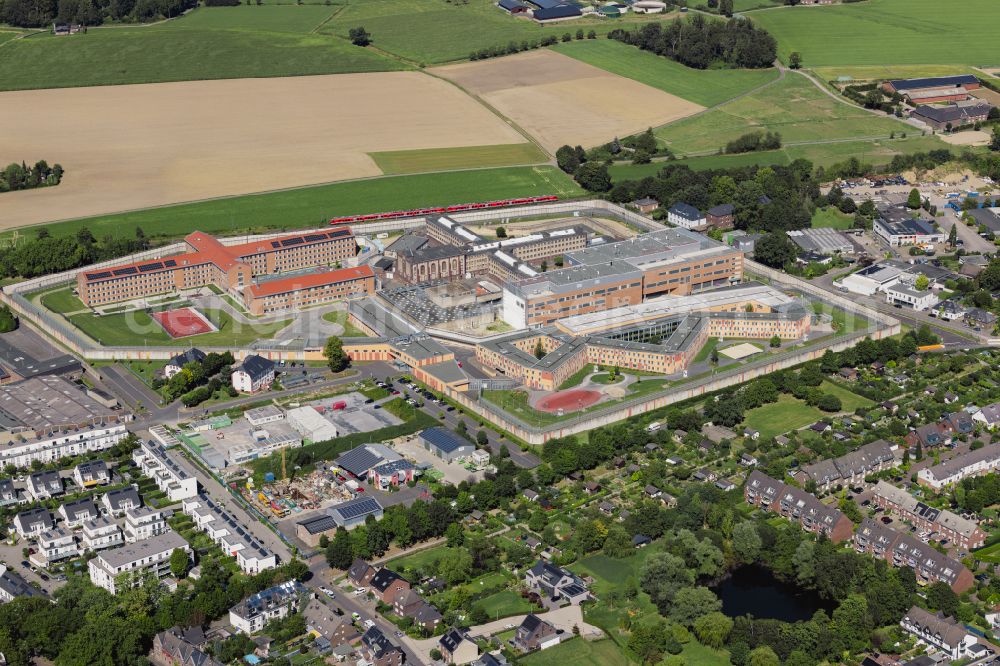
[231,268]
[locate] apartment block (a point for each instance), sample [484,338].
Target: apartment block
[232,536]
[798,506]
[974,463]
[101,533]
[253,613]
[144,523]
[902,550]
[851,468]
[148,556]
[154,462]
[961,532]
[210,262]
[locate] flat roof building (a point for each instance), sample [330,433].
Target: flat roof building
[150,555]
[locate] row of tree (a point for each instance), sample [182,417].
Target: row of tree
[754,141]
[699,43]
[23,177]
[46,254]
[40,13]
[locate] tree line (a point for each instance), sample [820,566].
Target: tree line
[41,13]
[46,254]
[22,177]
[754,141]
[700,43]
[513,47]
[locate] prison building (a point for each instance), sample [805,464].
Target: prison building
[210,262]
[302,291]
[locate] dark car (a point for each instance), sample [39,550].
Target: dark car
[25,564]
[369,401]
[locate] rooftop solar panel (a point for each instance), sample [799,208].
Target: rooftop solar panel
[291,241]
[338,232]
[358,507]
[99,276]
[275,244]
[145,268]
[126,271]
[311,238]
[170,263]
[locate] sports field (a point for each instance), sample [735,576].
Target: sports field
[183,322]
[560,100]
[132,147]
[208,43]
[434,32]
[878,32]
[793,107]
[704,87]
[138,327]
[466,157]
[311,206]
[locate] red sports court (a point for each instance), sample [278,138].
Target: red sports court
[183,322]
[568,401]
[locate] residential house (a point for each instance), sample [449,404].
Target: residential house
[173,647]
[91,473]
[143,523]
[456,648]
[938,631]
[253,613]
[54,545]
[117,502]
[964,533]
[100,533]
[641,541]
[31,523]
[797,505]
[427,617]
[980,319]
[360,574]
[646,205]
[386,583]
[930,435]
[989,415]
[256,373]
[178,361]
[150,555]
[535,633]
[973,463]
[899,549]
[721,217]
[76,513]
[556,583]
[8,493]
[686,216]
[850,468]
[44,485]
[379,650]
[12,586]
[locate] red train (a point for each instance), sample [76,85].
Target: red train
[442,209]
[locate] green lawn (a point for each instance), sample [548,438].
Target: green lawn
[62,301]
[133,328]
[310,206]
[824,154]
[793,107]
[579,652]
[990,554]
[516,402]
[906,32]
[209,43]
[787,414]
[433,32]
[340,317]
[469,157]
[831,218]
[848,399]
[504,604]
[705,87]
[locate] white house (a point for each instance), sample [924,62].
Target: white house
[149,555]
[232,536]
[686,216]
[144,523]
[169,476]
[54,545]
[253,613]
[939,631]
[33,522]
[989,415]
[101,533]
[177,363]
[905,295]
[256,373]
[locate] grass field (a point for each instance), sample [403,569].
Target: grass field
[831,218]
[990,554]
[516,402]
[871,72]
[312,206]
[209,43]
[579,652]
[470,157]
[62,301]
[504,604]
[904,32]
[434,32]
[133,328]
[848,399]
[787,414]
[793,107]
[350,330]
[705,87]
[822,154]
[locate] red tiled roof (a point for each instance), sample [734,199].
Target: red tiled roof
[319,279]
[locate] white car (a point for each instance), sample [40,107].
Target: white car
[328,592]
[369,624]
[358,592]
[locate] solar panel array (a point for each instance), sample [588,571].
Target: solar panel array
[358,507]
[99,276]
[128,270]
[145,268]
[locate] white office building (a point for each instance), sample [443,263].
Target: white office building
[149,555]
[910,297]
[168,475]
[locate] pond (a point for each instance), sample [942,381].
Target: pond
[754,590]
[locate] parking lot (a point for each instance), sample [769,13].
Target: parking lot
[454,473]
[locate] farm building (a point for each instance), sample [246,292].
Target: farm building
[956,114]
[933,89]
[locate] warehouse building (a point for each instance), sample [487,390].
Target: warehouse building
[311,424]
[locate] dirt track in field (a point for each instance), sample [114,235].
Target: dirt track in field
[137,146]
[560,100]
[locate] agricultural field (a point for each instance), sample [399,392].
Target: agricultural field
[466,157]
[132,147]
[208,43]
[894,32]
[820,154]
[433,32]
[793,107]
[583,104]
[314,206]
[704,87]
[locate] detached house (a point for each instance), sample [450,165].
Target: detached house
[939,631]
[556,583]
[930,435]
[386,583]
[456,648]
[535,634]
[256,373]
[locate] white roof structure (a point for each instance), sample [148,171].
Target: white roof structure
[310,423]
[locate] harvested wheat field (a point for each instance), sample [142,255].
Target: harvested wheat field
[560,100]
[137,146]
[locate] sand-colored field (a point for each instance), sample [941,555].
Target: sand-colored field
[560,100]
[991,96]
[136,146]
[967,138]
